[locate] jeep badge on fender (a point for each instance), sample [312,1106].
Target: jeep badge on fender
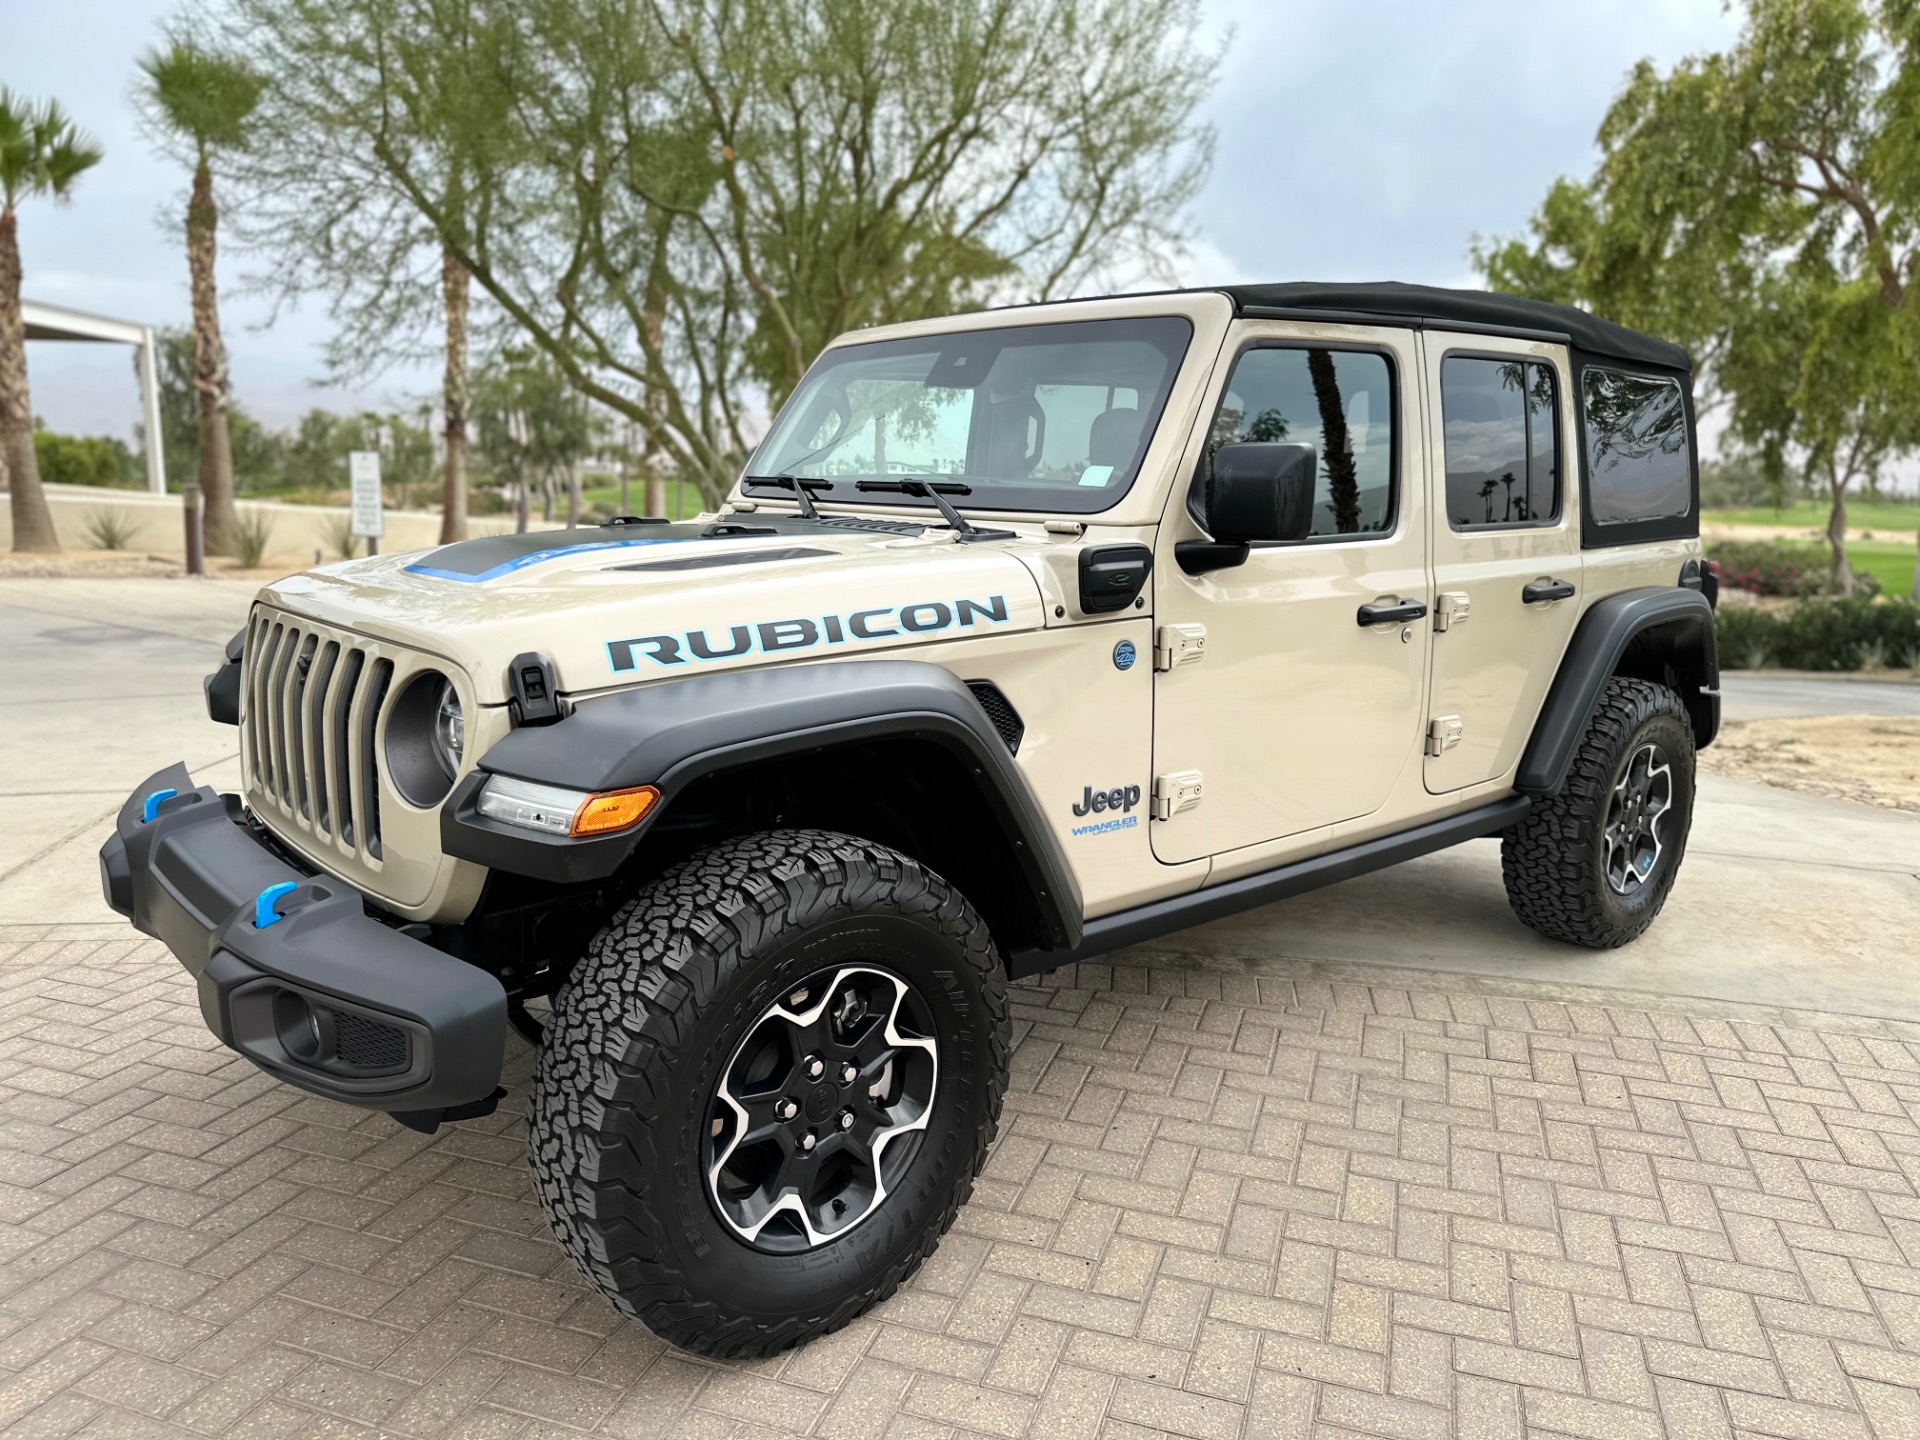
[785,822]
[1093,801]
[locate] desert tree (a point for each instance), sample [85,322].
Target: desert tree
[327,214]
[196,102]
[42,156]
[1762,206]
[681,201]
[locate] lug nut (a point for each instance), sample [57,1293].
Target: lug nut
[786,1109]
[814,1066]
[849,1073]
[806,1142]
[846,1119]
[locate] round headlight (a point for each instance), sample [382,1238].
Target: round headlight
[449,728]
[426,738]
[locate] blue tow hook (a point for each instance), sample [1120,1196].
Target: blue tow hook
[151,806]
[263,912]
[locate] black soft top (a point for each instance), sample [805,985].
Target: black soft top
[1486,310]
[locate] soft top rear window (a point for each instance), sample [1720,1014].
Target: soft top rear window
[1026,417]
[1639,459]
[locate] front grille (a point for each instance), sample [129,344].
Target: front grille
[315,697]
[367,1044]
[1006,720]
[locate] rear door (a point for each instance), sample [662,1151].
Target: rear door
[1506,553]
[1292,712]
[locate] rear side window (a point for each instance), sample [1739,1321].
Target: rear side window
[1639,463]
[1338,401]
[1503,442]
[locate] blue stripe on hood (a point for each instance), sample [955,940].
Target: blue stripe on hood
[533,557]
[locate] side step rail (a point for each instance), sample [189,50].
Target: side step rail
[1216,902]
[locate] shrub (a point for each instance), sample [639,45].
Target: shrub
[84,460]
[338,532]
[1854,634]
[1777,567]
[251,531]
[111,529]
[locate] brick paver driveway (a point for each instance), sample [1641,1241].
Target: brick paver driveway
[1274,1203]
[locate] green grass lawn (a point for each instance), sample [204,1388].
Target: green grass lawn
[683,501]
[1890,560]
[1861,515]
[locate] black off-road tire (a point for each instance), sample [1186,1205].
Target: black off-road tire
[1554,861]
[644,1030]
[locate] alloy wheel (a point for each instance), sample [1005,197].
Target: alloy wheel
[1642,798]
[821,1109]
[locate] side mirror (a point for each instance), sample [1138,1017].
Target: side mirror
[1262,491]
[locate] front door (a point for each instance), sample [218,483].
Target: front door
[1296,715]
[1506,558]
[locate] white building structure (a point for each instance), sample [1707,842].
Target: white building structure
[55,322]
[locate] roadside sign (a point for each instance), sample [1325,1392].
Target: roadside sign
[363,468]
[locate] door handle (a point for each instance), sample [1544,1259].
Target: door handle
[1400,612]
[1545,592]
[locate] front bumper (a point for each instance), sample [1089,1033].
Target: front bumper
[321,994]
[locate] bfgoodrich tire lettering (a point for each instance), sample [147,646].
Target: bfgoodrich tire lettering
[1555,862]
[627,1076]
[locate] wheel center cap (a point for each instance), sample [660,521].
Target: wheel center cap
[822,1101]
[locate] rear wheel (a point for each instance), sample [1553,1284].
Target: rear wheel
[768,1087]
[1593,864]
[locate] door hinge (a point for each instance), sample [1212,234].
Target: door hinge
[1443,734]
[1451,608]
[1174,793]
[1175,645]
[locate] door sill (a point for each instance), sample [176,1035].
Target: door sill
[1230,897]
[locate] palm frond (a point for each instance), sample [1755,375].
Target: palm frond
[42,152]
[203,96]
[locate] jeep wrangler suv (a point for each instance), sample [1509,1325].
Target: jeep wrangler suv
[1023,637]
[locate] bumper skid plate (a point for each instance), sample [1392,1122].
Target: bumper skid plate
[293,972]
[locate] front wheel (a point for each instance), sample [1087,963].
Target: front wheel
[768,1088]
[1592,865]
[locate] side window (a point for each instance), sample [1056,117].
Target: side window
[1639,464]
[1338,401]
[1502,427]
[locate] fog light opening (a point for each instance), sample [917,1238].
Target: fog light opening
[305,1031]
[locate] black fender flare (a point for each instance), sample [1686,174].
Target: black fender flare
[1679,619]
[676,732]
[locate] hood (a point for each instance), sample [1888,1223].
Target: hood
[615,606]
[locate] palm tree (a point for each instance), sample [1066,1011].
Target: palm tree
[42,152]
[200,99]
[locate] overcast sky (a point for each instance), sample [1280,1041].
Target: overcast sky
[1358,140]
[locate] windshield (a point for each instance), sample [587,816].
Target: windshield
[1031,417]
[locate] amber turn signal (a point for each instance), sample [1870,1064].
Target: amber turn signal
[612,810]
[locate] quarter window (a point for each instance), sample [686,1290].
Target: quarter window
[1639,463]
[1503,442]
[1338,401]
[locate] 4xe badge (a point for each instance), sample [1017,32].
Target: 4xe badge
[1123,655]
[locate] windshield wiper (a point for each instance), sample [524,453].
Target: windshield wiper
[798,485]
[937,491]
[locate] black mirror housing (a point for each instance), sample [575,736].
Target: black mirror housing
[1262,491]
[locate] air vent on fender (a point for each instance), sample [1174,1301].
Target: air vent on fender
[1006,720]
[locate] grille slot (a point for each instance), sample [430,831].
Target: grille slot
[367,769]
[367,1044]
[1006,720]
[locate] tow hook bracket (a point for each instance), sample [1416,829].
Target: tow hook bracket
[150,807]
[263,912]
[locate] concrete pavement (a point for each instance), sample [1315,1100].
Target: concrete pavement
[1783,697]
